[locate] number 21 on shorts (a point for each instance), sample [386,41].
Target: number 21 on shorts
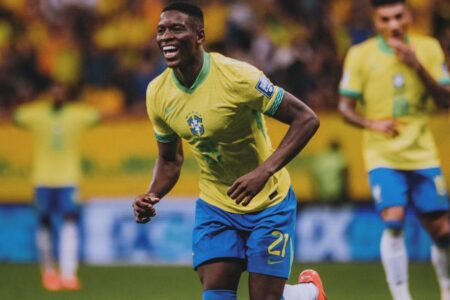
[280,239]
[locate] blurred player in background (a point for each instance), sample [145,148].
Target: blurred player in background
[393,76]
[56,127]
[245,216]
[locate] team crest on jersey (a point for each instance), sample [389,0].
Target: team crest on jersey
[195,122]
[265,86]
[398,81]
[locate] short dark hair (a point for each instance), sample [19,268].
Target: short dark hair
[377,3]
[187,8]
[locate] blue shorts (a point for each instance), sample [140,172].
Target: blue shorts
[425,188]
[264,240]
[62,200]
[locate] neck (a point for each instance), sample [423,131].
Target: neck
[189,73]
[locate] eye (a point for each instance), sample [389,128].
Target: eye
[178,29]
[160,30]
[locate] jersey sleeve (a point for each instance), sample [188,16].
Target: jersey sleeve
[351,81]
[255,90]
[163,133]
[436,64]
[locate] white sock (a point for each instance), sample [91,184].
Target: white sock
[395,263]
[44,247]
[441,262]
[68,247]
[302,291]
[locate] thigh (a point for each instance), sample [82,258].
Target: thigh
[389,188]
[221,274]
[265,287]
[67,200]
[215,236]
[428,190]
[44,200]
[271,242]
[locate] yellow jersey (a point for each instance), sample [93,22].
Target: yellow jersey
[221,118]
[388,89]
[56,138]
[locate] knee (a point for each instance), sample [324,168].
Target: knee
[396,227]
[45,220]
[71,217]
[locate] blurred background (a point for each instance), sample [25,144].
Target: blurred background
[105,50]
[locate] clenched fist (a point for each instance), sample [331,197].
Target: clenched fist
[144,207]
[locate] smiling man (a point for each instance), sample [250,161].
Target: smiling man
[394,76]
[245,216]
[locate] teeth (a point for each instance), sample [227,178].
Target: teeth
[169,48]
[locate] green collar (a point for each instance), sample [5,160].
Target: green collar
[200,78]
[384,47]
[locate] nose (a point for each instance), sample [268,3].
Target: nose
[394,25]
[165,35]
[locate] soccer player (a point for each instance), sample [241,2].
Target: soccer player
[393,76]
[245,216]
[56,127]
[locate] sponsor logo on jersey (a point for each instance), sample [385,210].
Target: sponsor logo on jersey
[265,86]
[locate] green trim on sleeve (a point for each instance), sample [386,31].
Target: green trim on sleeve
[350,93]
[445,81]
[165,138]
[276,103]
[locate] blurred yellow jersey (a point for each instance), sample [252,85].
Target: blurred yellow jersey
[56,138]
[388,89]
[221,118]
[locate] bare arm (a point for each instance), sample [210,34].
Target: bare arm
[347,109]
[439,93]
[303,123]
[165,175]
[167,168]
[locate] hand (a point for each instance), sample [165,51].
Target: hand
[248,186]
[143,207]
[405,53]
[388,127]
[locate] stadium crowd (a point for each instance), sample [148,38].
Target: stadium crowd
[105,49]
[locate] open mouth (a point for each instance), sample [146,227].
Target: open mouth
[170,51]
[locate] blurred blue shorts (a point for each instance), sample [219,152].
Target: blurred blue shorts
[425,188]
[61,200]
[264,240]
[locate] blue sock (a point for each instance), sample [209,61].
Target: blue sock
[219,295]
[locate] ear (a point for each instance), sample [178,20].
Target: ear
[200,36]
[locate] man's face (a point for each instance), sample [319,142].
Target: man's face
[392,20]
[59,94]
[179,38]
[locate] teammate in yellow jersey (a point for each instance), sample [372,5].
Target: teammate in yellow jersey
[245,216]
[56,127]
[393,76]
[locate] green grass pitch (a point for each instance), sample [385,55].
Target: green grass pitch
[342,281]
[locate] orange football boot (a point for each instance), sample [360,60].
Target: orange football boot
[50,280]
[71,283]
[311,276]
